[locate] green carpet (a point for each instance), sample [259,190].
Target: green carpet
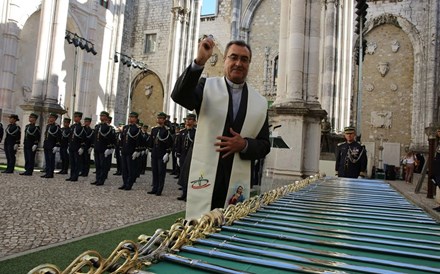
[104,243]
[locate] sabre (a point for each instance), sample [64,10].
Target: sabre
[350,215]
[255,261]
[198,264]
[291,219]
[287,228]
[299,259]
[341,231]
[294,204]
[332,254]
[348,220]
[341,244]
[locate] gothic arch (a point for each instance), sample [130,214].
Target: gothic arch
[421,94]
[247,19]
[147,96]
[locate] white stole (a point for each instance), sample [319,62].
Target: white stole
[204,161]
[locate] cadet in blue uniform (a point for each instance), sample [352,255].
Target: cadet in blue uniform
[32,135]
[64,146]
[184,150]
[1,132]
[131,136]
[85,157]
[76,146]
[103,143]
[51,144]
[12,141]
[351,156]
[160,143]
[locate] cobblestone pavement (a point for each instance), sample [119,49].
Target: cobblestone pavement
[36,212]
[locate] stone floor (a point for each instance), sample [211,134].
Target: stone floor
[38,212]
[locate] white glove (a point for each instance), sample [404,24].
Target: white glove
[55,150]
[34,147]
[142,152]
[80,151]
[166,157]
[15,146]
[135,155]
[178,162]
[146,152]
[107,152]
[90,150]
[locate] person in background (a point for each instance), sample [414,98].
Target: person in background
[351,156]
[32,135]
[436,166]
[12,141]
[118,143]
[51,144]
[410,163]
[76,146]
[85,157]
[103,143]
[131,139]
[64,145]
[160,144]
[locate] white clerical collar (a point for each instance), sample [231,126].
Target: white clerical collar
[234,85]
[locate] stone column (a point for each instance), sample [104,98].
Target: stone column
[296,107]
[328,77]
[235,20]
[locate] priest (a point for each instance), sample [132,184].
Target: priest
[232,128]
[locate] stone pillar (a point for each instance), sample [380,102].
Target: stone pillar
[235,20]
[296,107]
[329,69]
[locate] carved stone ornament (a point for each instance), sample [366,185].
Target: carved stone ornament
[369,87]
[148,90]
[383,68]
[371,48]
[381,119]
[393,87]
[395,46]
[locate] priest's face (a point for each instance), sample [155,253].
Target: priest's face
[236,63]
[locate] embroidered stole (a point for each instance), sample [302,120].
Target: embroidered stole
[204,161]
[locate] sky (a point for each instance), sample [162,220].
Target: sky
[208,7]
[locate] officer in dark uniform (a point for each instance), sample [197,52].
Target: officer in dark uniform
[144,151]
[32,135]
[118,144]
[160,143]
[174,129]
[108,164]
[76,146]
[64,146]
[131,136]
[1,132]
[51,144]
[12,141]
[103,143]
[85,159]
[351,156]
[184,150]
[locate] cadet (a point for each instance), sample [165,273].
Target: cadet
[130,151]
[85,159]
[184,151]
[32,135]
[12,141]
[108,164]
[161,143]
[144,150]
[351,156]
[1,132]
[103,143]
[76,146]
[64,145]
[118,149]
[51,144]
